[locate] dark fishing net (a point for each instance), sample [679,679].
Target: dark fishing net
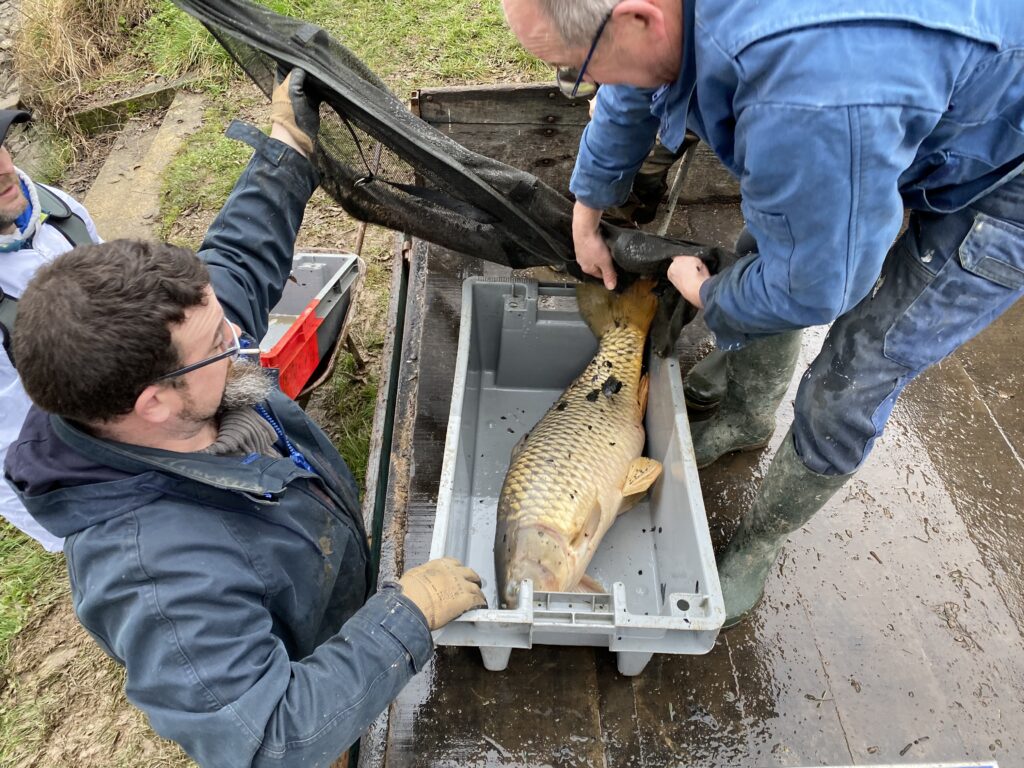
[387,167]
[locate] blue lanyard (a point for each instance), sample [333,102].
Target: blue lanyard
[297,457]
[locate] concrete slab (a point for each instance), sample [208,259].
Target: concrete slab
[124,200]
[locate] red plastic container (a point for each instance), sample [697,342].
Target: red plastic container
[308,323]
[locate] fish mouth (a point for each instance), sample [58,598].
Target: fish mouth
[543,578]
[540,554]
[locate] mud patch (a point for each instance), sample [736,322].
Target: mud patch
[63,704]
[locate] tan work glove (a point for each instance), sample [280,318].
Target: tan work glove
[443,589]
[296,110]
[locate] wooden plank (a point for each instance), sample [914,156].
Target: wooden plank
[501,105]
[973,438]
[549,153]
[992,362]
[540,711]
[926,661]
[535,128]
[708,180]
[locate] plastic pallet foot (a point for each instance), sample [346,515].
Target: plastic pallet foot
[631,663]
[495,659]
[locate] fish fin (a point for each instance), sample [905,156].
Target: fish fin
[640,476]
[604,309]
[584,538]
[590,584]
[641,395]
[628,502]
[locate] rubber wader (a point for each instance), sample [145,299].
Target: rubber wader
[704,385]
[757,377]
[788,498]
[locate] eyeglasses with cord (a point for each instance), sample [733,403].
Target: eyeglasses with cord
[564,75]
[235,349]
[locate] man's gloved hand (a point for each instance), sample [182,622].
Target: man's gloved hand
[294,109]
[443,589]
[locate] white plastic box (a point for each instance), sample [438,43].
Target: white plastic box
[520,345]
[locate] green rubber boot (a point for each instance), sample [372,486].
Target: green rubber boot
[789,497]
[757,377]
[704,385]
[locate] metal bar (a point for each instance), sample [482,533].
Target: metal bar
[677,188]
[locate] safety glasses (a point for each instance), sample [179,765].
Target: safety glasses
[570,80]
[233,350]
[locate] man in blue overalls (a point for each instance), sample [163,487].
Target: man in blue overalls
[835,117]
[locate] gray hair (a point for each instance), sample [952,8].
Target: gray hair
[577,20]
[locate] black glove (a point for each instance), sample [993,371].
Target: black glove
[296,109]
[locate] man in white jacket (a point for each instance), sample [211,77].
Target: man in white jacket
[37,224]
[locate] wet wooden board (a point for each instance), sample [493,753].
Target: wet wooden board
[535,128]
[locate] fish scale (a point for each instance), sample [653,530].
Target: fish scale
[564,485]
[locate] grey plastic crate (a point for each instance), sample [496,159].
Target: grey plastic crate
[520,345]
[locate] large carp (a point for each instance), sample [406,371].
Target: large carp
[580,467]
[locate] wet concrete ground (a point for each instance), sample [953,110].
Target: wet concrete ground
[890,633]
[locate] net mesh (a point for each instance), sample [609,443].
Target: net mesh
[387,167]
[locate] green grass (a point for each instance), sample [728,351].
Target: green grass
[30,581]
[200,178]
[407,42]
[174,43]
[353,401]
[412,44]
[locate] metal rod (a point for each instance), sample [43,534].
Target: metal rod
[677,188]
[362,225]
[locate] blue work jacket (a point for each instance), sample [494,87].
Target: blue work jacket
[235,590]
[833,115]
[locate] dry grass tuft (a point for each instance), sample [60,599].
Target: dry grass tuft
[63,43]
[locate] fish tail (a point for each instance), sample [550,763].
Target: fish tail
[604,309]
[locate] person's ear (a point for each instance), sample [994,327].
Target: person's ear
[646,13]
[155,403]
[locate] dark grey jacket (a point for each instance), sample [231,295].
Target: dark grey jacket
[231,589]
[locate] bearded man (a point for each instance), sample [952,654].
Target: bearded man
[214,540]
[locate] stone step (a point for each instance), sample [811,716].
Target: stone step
[124,200]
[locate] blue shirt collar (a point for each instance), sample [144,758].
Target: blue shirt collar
[681,89]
